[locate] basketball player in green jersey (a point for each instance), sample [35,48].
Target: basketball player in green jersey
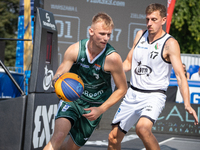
[97,63]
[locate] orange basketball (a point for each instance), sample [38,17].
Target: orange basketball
[69,87]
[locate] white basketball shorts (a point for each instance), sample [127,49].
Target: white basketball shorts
[138,104]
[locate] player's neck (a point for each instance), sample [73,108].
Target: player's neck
[93,50]
[154,36]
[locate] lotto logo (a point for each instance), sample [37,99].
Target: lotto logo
[44,125]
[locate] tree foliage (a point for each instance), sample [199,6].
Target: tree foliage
[185,25]
[9,12]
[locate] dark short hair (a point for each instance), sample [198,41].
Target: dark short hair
[154,7]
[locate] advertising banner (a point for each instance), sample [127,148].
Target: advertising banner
[175,120]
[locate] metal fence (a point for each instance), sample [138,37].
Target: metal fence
[190,59]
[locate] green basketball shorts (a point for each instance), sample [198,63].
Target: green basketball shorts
[82,128]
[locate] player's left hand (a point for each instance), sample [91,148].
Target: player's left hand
[93,114]
[191,111]
[55,78]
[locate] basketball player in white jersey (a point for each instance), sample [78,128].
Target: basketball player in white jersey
[150,60]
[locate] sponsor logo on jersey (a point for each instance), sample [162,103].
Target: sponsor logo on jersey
[64,109]
[148,108]
[83,65]
[142,69]
[156,46]
[85,139]
[97,66]
[82,59]
[88,94]
[142,47]
[96,75]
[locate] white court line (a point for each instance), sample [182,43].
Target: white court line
[163,142]
[104,142]
[166,140]
[187,140]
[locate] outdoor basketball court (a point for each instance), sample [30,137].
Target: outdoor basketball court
[33,114]
[99,141]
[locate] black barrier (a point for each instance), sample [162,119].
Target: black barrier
[27,122]
[40,114]
[45,53]
[42,101]
[12,115]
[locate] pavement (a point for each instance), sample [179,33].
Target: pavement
[99,141]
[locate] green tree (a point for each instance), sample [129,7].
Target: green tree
[185,25]
[9,12]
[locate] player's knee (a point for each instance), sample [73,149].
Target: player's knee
[58,138]
[142,131]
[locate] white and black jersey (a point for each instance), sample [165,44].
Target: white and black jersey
[150,75]
[150,71]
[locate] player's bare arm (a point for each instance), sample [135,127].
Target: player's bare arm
[113,64]
[172,54]
[69,58]
[128,61]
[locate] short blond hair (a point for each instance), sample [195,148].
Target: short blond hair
[102,16]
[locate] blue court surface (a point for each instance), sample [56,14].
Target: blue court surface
[99,141]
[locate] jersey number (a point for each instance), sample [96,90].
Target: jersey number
[153,54]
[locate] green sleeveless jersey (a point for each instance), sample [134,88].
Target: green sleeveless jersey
[97,82]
